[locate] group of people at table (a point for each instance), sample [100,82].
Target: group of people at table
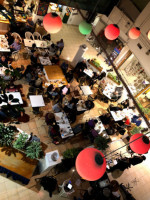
[35,77]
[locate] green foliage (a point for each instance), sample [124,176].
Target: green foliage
[33,150]
[71,153]
[3,83]
[6,135]
[21,141]
[14,73]
[144,110]
[136,130]
[114,78]
[101,142]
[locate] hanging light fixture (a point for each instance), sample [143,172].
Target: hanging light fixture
[141,145]
[85,28]
[134,33]
[52,23]
[148,34]
[112,31]
[91,164]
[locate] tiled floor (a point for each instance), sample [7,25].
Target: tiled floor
[11,190]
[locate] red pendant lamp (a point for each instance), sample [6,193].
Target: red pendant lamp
[148,35]
[52,23]
[91,164]
[134,33]
[111,31]
[141,145]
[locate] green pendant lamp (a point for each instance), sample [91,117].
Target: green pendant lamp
[85,28]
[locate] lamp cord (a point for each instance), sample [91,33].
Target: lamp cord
[125,145]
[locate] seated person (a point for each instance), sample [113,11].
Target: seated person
[70,107]
[3,115]
[127,121]
[64,67]
[93,79]
[64,90]
[125,103]
[115,108]
[92,123]
[33,48]
[50,118]
[34,58]
[94,133]
[51,91]
[53,48]
[101,76]
[79,69]
[9,38]
[15,46]
[106,118]
[137,120]
[4,61]
[69,76]
[116,95]
[55,60]
[30,25]
[47,37]
[33,138]
[54,133]
[38,83]
[89,104]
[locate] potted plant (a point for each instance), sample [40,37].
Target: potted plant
[33,150]
[101,142]
[6,135]
[20,141]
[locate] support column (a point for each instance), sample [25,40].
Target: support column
[82,49]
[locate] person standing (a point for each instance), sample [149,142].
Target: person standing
[60,45]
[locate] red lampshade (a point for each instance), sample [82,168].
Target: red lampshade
[141,145]
[134,33]
[52,23]
[91,164]
[111,32]
[148,35]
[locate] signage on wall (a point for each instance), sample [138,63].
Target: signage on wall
[42,9]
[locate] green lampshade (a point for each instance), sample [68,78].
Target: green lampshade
[85,28]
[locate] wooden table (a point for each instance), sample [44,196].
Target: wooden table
[17,164]
[54,74]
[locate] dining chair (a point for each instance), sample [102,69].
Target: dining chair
[16,36]
[29,35]
[37,36]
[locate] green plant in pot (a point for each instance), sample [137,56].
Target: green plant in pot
[6,135]
[20,141]
[33,150]
[101,142]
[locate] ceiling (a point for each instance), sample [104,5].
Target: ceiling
[103,7]
[140,4]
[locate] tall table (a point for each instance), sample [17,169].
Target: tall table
[16,95]
[39,43]
[37,101]
[64,125]
[54,75]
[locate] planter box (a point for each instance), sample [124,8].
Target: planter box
[113,80]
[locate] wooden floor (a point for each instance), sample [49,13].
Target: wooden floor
[17,162]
